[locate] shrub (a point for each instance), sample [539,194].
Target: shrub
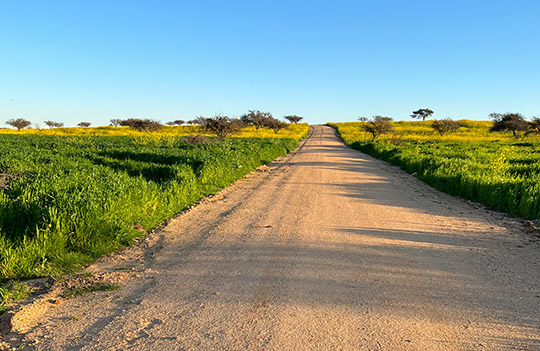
[142,125]
[377,126]
[221,126]
[177,122]
[445,126]
[116,122]
[255,118]
[275,124]
[195,139]
[84,124]
[534,126]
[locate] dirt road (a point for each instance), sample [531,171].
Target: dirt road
[327,249]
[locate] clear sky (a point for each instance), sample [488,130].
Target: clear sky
[80,60]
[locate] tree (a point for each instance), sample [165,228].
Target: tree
[19,123]
[142,125]
[53,124]
[378,126]
[116,122]
[220,125]
[255,118]
[84,124]
[445,126]
[275,124]
[362,119]
[177,122]
[514,122]
[293,118]
[200,120]
[422,113]
[534,126]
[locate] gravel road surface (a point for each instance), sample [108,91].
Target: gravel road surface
[325,249]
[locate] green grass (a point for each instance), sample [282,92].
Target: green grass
[504,174]
[64,200]
[10,292]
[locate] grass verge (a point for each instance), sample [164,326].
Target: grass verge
[66,201]
[503,174]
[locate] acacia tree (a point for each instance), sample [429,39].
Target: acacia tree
[84,124]
[293,118]
[19,123]
[142,125]
[177,122]
[445,126]
[255,118]
[514,122]
[378,126]
[53,124]
[422,113]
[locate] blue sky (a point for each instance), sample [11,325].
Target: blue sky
[74,61]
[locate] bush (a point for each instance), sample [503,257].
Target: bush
[142,125]
[195,139]
[116,122]
[255,118]
[221,126]
[378,126]
[534,126]
[177,122]
[275,124]
[445,126]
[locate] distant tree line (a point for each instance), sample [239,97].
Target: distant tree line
[220,125]
[510,122]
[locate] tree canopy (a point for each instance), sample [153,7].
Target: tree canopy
[422,113]
[444,126]
[378,126]
[293,118]
[513,122]
[19,123]
[220,125]
[255,118]
[142,125]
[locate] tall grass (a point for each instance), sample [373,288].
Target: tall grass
[492,168]
[66,200]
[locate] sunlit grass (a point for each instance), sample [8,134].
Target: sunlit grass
[493,168]
[422,131]
[70,195]
[294,131]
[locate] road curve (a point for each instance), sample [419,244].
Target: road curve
[326,249]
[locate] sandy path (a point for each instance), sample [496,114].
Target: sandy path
[329,250]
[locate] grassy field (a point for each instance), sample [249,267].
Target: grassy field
[68,198]
[167,131]
[492,168]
